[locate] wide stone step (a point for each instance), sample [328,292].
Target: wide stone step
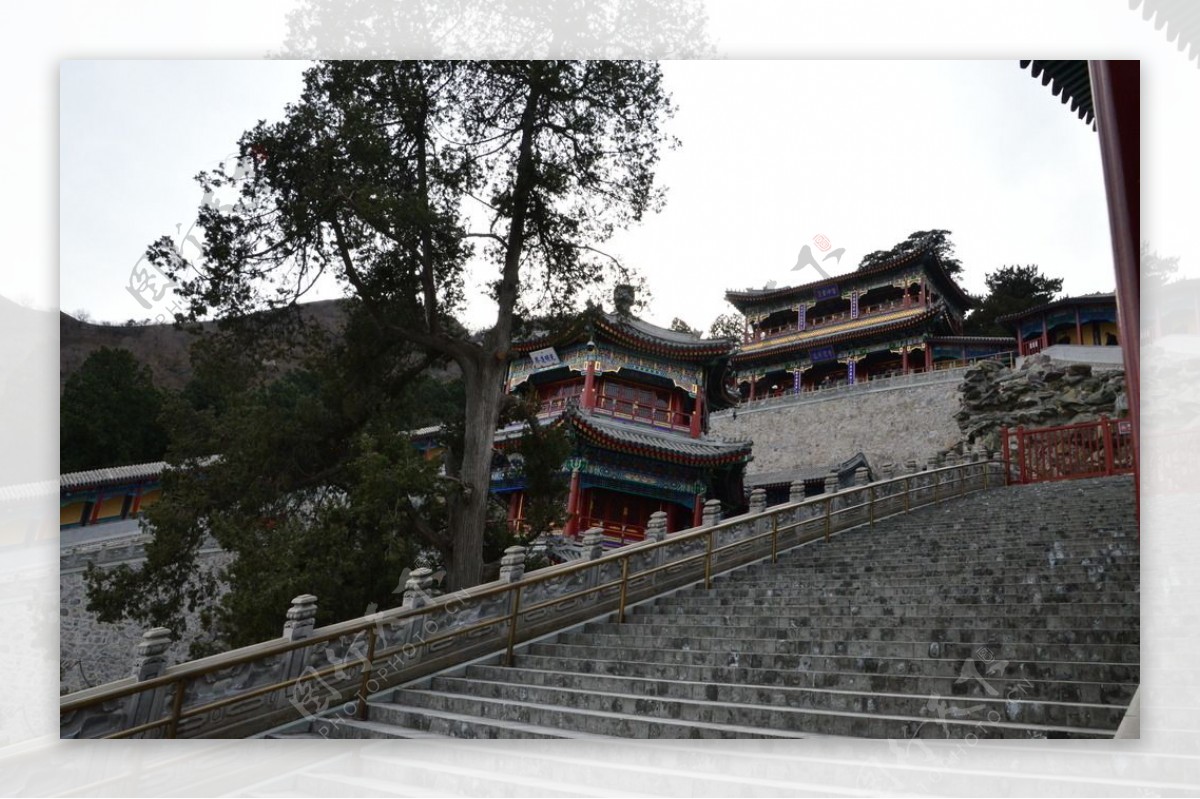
[570,720]
[643,716]
[355,729]
[876,587]
[1044,670]
[1045,616]
[520,701]
[923,571]
[1073,604]
[468,724]
[789,628]
[936,560]
[803,645]
[908,560]
[951,683]
[521,685]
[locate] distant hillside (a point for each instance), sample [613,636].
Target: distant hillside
[163,348]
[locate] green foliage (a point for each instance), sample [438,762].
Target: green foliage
[109,414]
[936,240]
[1010,289]
[390,177]
[728,325]
[1157,271]
[315,488]
[680,326]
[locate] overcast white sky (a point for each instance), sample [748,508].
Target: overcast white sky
[773,153]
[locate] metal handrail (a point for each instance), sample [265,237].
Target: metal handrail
[182,674]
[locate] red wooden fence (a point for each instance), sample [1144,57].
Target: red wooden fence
[1068,452]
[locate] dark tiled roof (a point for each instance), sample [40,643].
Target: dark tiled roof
[947,282]
[112,475]
[1084,299]
[645,440]
[635,333]
[1068,80]
[844,470]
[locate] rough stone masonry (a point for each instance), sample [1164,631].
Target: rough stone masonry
[1040,393]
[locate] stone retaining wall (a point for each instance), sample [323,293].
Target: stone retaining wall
[890,426]
[92,652]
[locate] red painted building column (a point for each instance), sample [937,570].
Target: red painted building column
[96,508]
[589,386]
[137,501]
[904,358]
[1116,94]
[697,413]
[1078,328]
[572,527]
[698,511]
[752,382]
[928,357]
[512,507]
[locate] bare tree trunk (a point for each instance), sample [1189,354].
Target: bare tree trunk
[468,502]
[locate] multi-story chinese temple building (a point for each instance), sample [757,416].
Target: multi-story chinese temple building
[1087,321]
[635,398]
[899,317]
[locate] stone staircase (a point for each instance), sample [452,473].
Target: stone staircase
[1011,613]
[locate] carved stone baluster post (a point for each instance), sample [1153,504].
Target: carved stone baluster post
[758,501]
[593,548]
[150,661]
[417,589]
[512,564]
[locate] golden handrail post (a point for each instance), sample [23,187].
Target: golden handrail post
[624,590]
[775,538]
[360,712]
[828,517]
[176,708]
[512,623]
[708,560]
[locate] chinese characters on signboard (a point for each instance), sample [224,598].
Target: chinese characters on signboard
[826,292]
[543,359]
[821,354]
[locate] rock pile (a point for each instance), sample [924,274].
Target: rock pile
[1041,393]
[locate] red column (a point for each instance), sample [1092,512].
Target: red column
[96,508]
[1045,333]
[698,511]
[572,527]
[697,413]
[137,501]
[752,382]
[512,507]
[928,357]
[1078,328]
[904,358]
[589,386]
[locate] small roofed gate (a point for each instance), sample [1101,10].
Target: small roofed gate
[1068,452]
